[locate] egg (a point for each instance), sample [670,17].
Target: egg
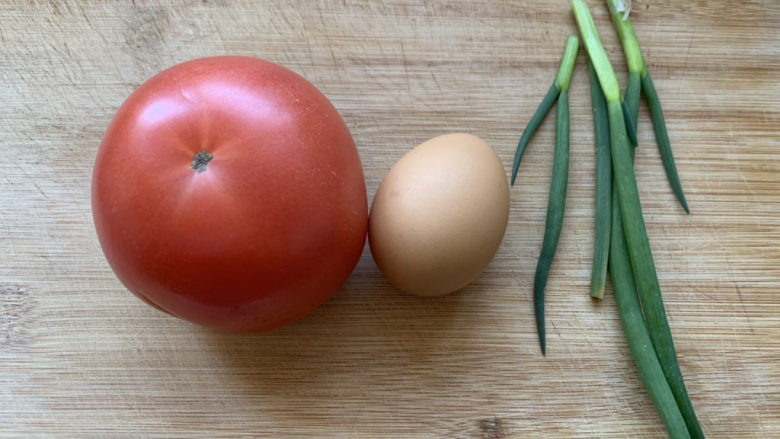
[439,216]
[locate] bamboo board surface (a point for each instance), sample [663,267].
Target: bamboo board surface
[80,357]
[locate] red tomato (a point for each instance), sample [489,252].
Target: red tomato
[228,191]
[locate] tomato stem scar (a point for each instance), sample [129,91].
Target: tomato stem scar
[201,160]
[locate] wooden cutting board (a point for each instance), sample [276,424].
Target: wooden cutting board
[80,357]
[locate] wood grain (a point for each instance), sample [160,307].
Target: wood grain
[80,357]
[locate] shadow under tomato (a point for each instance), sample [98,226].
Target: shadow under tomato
[370,343]
[367,318]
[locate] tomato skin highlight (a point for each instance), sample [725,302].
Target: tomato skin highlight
[255,233]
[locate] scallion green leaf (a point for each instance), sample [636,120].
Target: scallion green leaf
[555,209]
[637,241]
[562,80]
[638,73]
[533,125]
[662,138]
[603,187]
[631,105]
[636,332]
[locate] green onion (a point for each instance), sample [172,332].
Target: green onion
[536,120]
[560,175]
[603,185]
[631,106]
[555,208]
[622,278]
[562,80]
[638,73]
[642,259]
[630,123]
[596,53]
[662,138]
[636,332]
[634,60]
[633,223]
[625,31]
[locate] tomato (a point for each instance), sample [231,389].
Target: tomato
[228,191]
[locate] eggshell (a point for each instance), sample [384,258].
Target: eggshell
[440,214]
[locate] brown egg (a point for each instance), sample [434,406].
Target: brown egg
[440,214]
